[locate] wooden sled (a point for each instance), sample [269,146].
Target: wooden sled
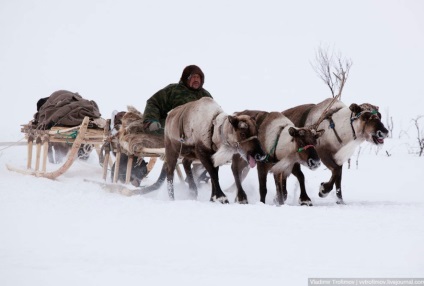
[77,135]
[112,145]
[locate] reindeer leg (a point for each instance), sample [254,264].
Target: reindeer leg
[304,199]
[326,188]
[339,188]
[171,162]
[219,195]
[283,186]
[237,166]
[205,157]
[190,178]
[279,196]
[262,176]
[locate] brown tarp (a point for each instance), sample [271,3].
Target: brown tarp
[64,108]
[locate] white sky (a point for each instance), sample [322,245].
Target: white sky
[255,56]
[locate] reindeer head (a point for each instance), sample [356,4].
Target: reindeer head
[306,140]
[246,137]
[367,120]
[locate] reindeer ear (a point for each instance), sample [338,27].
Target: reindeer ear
[293,132]
[233,120]
[319,133]
[355,108]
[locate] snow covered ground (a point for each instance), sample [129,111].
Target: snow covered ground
[71,232]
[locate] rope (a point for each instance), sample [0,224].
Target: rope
[72,135]
[13,144]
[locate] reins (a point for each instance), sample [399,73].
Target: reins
[10,144]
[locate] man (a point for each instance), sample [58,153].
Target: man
[189,88]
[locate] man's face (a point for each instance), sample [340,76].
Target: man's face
[194,81]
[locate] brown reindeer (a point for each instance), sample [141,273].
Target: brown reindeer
[285,146]
[201,130]
[347,127]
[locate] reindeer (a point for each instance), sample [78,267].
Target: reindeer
[201,130]
[351,126]
[285,146]
[348,128]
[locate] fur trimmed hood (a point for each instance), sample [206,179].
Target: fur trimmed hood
[188,71]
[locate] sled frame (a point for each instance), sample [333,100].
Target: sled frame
[40,140]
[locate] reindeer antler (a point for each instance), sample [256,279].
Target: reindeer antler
[333,74]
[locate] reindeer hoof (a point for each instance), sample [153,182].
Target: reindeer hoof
[340,202]
[322,193]
[222,200]
[242,201]
[305,203]
[278,201]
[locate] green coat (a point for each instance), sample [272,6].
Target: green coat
[158,106]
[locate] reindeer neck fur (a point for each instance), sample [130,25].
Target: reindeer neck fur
[277,125]
[224,139]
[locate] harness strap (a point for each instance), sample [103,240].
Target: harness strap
[181,125]
[332,126]
[274,147]
[353,118]
[213,146]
